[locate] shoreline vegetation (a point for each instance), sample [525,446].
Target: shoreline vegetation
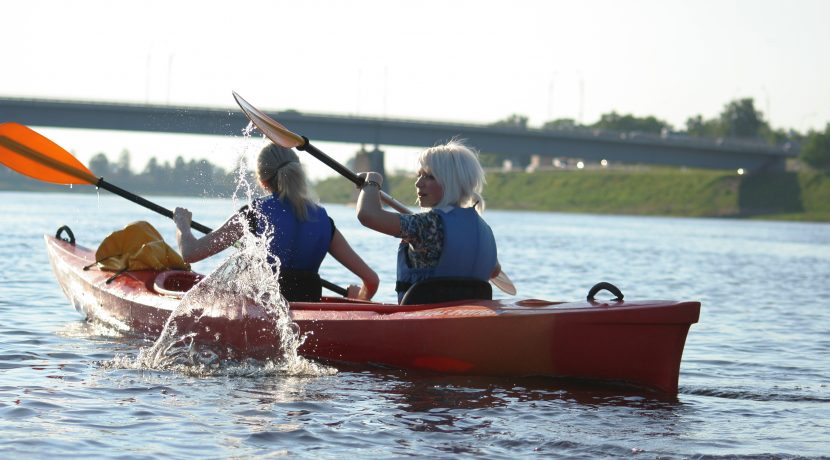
[648,191]
[799,194]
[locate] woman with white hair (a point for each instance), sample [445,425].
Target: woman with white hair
[300,231]
[450,240]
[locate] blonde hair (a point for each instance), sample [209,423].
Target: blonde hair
[456,167]
[279,169]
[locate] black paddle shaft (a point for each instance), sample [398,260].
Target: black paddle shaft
[331,162]
[146,203]
[348,174]
[195,225]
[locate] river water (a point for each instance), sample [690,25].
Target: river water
[754,382]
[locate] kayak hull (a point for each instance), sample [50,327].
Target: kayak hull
[639,343]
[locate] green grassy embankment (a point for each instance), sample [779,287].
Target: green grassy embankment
[649,191]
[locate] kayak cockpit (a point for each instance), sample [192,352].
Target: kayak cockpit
[176,283]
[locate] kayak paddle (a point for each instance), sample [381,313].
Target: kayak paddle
[32,154]
[280,135]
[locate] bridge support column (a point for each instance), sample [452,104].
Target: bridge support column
[370,161]
[773,165]
[365,161]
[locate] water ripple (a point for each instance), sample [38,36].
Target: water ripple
[753,384]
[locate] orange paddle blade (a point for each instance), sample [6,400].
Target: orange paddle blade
[272,129]
[33,155]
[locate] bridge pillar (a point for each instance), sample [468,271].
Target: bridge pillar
[365,161]
[369,161]
[773,165]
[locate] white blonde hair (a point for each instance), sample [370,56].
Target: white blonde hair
[280,169]
[456,167]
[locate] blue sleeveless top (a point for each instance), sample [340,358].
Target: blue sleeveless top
[469,250]
[300,246]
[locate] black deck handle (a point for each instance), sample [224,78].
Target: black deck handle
[606,286]
[69,234]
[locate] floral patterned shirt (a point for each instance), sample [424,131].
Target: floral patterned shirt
[425,234]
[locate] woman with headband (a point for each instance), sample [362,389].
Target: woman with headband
[300,232]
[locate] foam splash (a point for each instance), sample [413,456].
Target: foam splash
[249,129]
[198,337]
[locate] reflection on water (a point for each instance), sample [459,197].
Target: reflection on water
[89,330]
[413,393]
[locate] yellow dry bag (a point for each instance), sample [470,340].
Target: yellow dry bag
[138,246]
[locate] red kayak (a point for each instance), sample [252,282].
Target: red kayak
[634,342]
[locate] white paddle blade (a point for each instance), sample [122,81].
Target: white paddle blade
[502,281]
[271,128]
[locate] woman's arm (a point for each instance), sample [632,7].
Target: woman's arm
[370,213]
[195,249]
[343,252]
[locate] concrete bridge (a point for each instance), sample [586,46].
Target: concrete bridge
[589,146]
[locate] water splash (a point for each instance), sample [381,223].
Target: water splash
[233,315]
[249,129]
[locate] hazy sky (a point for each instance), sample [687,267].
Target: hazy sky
[470,61]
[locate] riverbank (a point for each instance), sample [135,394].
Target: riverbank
[801,196]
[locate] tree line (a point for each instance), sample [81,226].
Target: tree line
[193,177]
[187,178]
[739,119]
